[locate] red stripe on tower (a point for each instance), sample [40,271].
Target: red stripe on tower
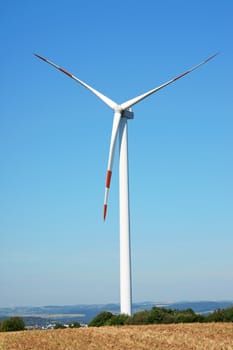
[108,178]
[64,71]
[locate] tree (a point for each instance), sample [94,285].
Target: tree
[117,320]
[141,317]
[228,313]
[187,316]
[216,316]
[221,315]
[160,315]
[101,319]
[12,324]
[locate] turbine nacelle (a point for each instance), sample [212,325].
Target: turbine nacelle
[124,112]
[128,114]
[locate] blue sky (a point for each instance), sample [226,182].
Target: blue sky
[54,140]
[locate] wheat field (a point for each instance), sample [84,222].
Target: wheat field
[214,336]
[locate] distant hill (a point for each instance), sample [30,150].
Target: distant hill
[202,307]
[85,313]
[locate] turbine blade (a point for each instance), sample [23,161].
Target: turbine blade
[139,98]
[102,97]
[115,127]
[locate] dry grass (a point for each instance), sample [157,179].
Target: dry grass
[214,336]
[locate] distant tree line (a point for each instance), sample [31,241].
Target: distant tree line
[161,316]
[156,315]
[70,325]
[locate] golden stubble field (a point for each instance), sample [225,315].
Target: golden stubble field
[214,336]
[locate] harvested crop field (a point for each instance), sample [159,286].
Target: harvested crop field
[214,336]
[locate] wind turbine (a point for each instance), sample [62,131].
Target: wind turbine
[122,112]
